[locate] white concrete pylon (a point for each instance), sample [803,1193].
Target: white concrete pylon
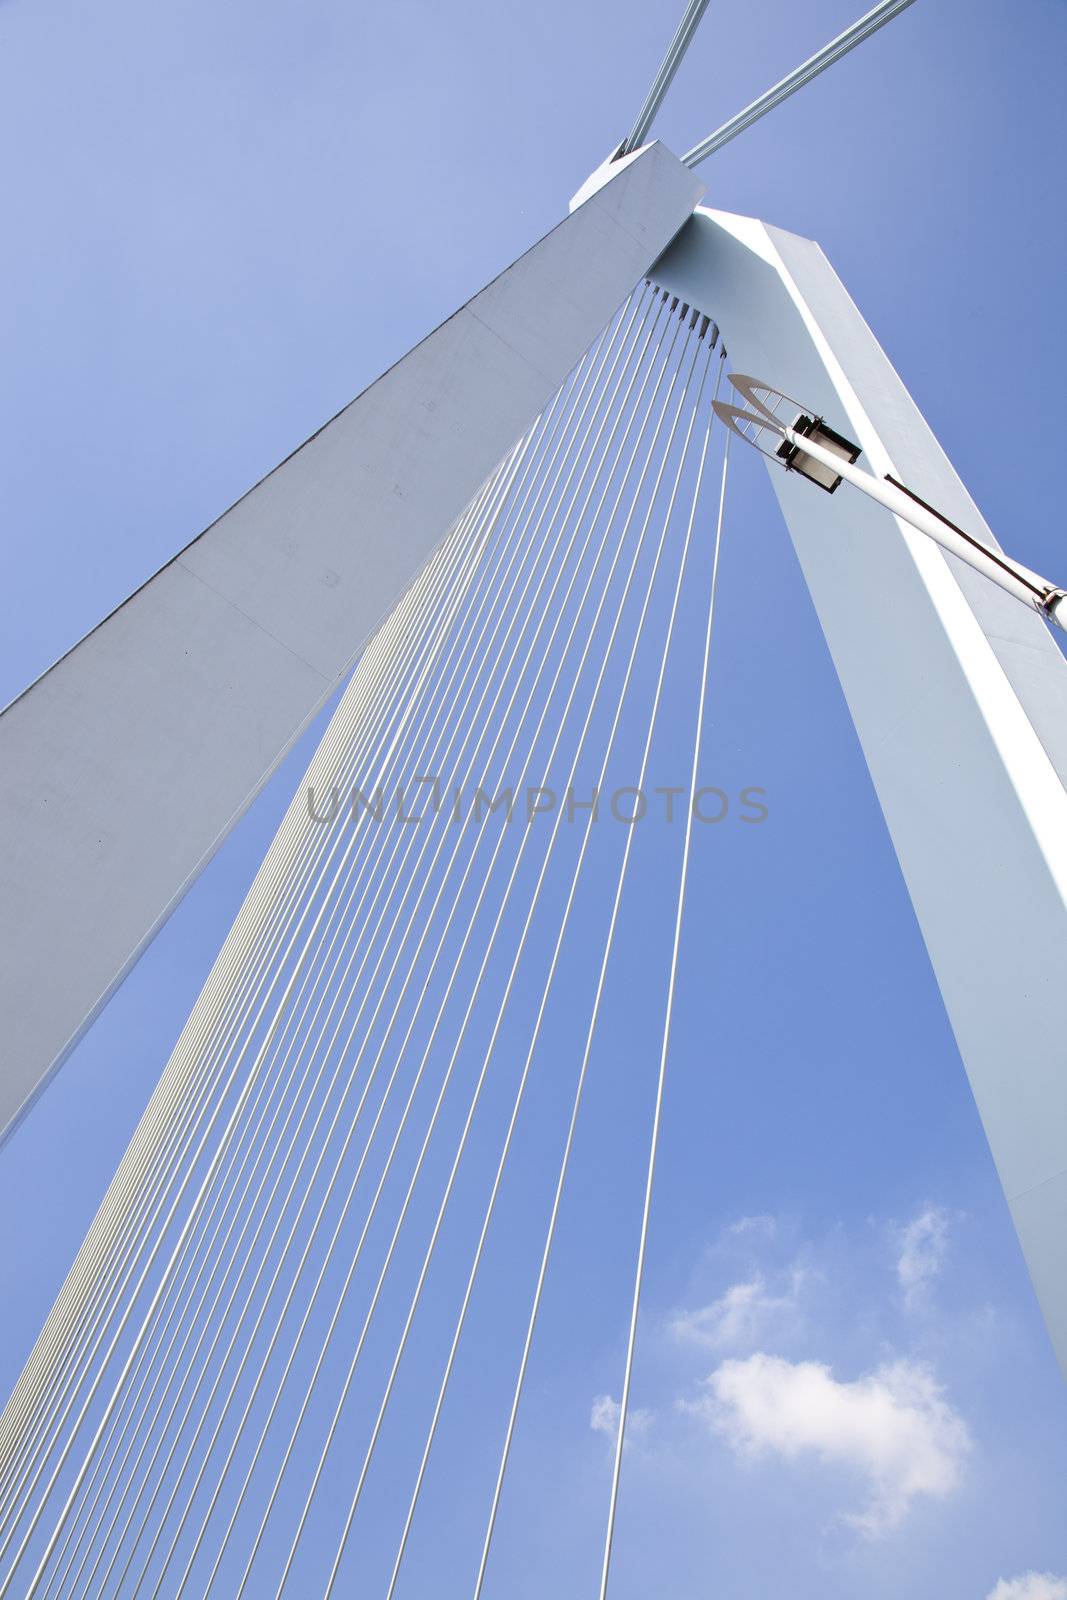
[958,694]
[125,765]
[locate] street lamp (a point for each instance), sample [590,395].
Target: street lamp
[808,446]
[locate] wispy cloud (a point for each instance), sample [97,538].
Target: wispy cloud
[761,1224]
[1030,1586]
[921,1247]
[893,1426]
[604,1418]
[742,1316]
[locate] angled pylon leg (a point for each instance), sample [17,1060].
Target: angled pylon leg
[124,767]
[958,693]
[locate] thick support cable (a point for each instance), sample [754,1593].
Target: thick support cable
[676,50]
[856,34]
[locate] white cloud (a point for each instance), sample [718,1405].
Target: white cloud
[760,1223]
[604,1418]
[893,1426]
[741,1316]
[1030,1586]
[921,1253]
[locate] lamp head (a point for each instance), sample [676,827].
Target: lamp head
[762,420]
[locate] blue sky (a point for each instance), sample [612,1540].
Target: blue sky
[226,222]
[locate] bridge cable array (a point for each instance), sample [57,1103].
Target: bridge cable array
[368,1128]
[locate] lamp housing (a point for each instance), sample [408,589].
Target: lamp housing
[797,460]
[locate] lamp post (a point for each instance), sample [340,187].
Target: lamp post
[825,457]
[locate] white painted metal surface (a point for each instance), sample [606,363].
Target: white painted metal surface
[959,698]
[125,765]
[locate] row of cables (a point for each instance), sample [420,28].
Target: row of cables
[374,1109]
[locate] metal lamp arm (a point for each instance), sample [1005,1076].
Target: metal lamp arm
[1010,575]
